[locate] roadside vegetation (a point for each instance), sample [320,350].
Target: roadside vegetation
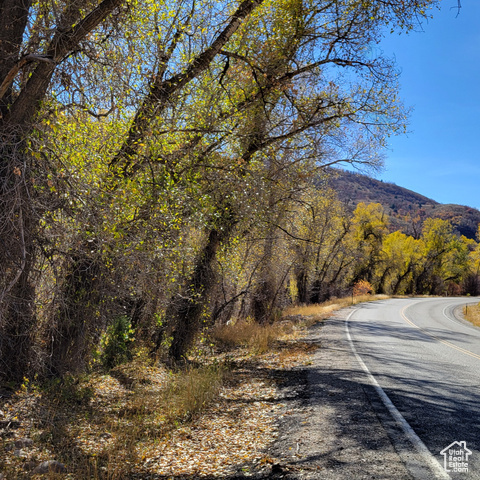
[472,314]
[162,173]
[141,417]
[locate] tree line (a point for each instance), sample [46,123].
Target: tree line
[158,161]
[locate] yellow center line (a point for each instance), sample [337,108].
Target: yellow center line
[445,342]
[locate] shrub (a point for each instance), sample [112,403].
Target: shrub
[362,287]
[116,343]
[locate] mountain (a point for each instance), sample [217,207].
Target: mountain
[407,209]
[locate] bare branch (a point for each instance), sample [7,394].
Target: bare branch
[7,81]
[63,42]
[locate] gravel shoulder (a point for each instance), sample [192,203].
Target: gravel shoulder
[333,430]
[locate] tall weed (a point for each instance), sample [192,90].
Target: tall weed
[191,390]
[257,338]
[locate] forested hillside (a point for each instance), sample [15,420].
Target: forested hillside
[407,210]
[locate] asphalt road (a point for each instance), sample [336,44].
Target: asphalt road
[427,362]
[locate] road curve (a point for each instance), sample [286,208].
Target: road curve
[427,362]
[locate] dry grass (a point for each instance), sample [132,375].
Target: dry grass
[318,312]
[472,314]
[256,338]
[259,339]
[192,390]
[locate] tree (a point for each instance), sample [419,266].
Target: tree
[369,229]
[177,94]
[33,43]
[401,259]
[445,256]
[321,258]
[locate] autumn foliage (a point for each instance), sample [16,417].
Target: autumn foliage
[362,287]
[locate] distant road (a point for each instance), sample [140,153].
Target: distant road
[428,364]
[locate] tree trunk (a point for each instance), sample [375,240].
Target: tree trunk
[302,284]
[74,326]
[17,328]
[381,282]
[400,279]
[185,311]
[263,297]
[18,218]
[13,20]
[17,259]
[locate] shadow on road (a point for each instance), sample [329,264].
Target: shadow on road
[437,400]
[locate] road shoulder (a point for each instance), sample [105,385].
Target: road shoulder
[332,431]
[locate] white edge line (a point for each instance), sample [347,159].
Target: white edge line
[447,317]
[421,448]
[455,320]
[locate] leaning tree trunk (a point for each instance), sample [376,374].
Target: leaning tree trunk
[263,297]
[185,311]
[24,82]
[398,282]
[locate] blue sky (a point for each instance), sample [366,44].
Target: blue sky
[440,79]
